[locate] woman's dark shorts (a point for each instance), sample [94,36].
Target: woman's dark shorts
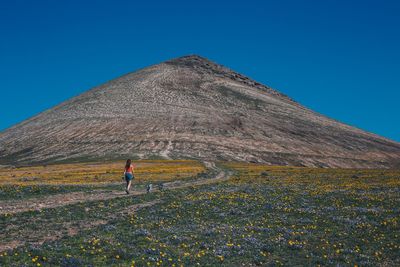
[129,177]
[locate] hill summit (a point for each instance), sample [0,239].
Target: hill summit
[190,107]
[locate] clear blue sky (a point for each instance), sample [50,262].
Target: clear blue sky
[340,58]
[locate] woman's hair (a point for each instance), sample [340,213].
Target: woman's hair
[128,163]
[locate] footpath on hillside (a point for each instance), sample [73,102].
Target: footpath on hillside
[18,237]
[63,199]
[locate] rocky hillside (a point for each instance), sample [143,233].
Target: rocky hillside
[190,107]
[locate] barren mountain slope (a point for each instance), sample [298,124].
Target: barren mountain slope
[191,107]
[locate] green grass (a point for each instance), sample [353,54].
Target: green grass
[262,216]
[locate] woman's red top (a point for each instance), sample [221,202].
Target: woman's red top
[129,169]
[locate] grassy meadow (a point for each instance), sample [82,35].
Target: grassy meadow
[25,182]
[257,215]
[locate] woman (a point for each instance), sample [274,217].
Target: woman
[128,174]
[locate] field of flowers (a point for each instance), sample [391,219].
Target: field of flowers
[262,215]
[94,173]
[25,182]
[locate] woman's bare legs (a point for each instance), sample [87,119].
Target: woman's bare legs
[128,185]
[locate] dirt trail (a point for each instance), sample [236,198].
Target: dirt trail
[58,231]
[58,200]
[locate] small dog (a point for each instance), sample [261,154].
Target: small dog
[149,188]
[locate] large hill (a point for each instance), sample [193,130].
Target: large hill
[190,107]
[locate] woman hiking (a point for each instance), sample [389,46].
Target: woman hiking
[128,174]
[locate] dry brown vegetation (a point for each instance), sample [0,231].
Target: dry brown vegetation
[88,173]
